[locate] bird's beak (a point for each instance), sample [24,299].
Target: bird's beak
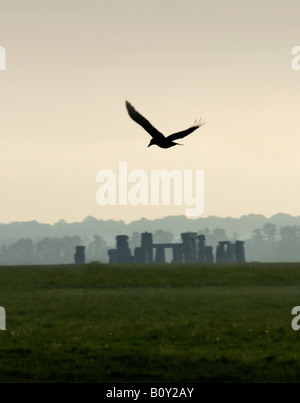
[149,144]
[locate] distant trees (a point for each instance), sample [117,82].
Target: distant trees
[135,240]
[161,236]
[212,237]
[268,243]
[20,251]
[274,245]
[269,232]
[289,242]
[97,250]
[235,236]
[256,246]
[56,250]
[46,251]
[257,236]
[23,250]
[289,234]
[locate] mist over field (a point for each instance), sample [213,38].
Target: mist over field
[272,239]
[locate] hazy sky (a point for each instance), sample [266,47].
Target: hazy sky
[70,66]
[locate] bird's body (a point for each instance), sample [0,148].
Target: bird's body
[158,138]
[163,143]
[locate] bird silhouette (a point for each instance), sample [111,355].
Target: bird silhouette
[158,138]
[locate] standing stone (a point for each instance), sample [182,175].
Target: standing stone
[240,251]
[139,255]
[160,255]
[113,255]
[220,253]
[79,256]
[226,253]
[209,254]
[177,254]
[190,247]
[123,251]
[147,245]
[201,248]
[231,252]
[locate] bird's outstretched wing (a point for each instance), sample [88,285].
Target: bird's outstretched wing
[138,118]
[180,135]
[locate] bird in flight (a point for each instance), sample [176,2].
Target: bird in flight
[158,138]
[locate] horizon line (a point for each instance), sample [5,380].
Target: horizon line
[63,221]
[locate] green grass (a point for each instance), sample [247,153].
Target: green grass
[142,323]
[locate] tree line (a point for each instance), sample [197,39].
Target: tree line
[50,251]
[269,243]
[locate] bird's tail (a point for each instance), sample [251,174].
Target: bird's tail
[198,123]
[178,144]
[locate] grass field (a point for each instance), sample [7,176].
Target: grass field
[142,323]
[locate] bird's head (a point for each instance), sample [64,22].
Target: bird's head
[151,143]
